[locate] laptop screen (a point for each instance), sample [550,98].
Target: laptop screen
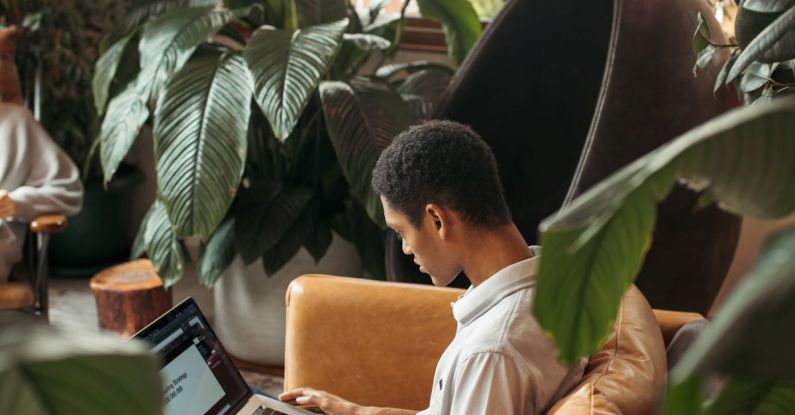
[198,375]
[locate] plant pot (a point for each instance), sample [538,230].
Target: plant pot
[250,307]
[98,236]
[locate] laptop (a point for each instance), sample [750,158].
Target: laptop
[199,377]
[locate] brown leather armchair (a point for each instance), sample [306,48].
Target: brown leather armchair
[377,343]
[28,292]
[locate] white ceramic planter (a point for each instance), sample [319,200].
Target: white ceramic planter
[250,308]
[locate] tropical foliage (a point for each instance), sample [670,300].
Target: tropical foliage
[742,160]
[265,125]
[59,43]
[45,371]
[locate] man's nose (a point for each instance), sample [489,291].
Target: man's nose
[405,246]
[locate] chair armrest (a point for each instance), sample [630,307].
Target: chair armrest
[49,223]
[15,295]
[671,321]
[372,342]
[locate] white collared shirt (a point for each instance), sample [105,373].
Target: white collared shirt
[500,362]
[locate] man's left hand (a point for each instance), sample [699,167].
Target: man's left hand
[7,206]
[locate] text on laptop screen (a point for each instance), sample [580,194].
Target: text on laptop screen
[198,376]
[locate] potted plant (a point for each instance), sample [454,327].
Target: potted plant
[743,161]
[265,132]
[57,51]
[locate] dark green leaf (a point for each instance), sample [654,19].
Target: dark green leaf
[315,12]
[287,67]
[53,372]
[362,118]
[367,42]
[423,90]
[201,139]
[282,14]
[218,253]
[754,318]
[266,211]
[307,230]
[459,20]
[755,77]
[388,71]
[127,113]
[390,29]
[704,58]
[168,41]
[684,398]
[720,80]
[139,244]
[768,6]
[594,247]
[144,12]
[775,43]
[105,70]
[702,37]
[757,397]
[162,246]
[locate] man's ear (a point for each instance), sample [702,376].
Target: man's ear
[439,217]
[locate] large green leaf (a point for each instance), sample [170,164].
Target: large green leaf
[163,248]
[594,247]
[315,12]
[105,70]
[50,372]
[307,230]
[265,212]
[388,71]
[145,10]
[757,397]
[201,139]
[768,6]
[684,398]
[287,67]
[757,316]
[168,41]
[127,113]
[422,91]
[460,21]
[775,43]
[362,117]
[218,253]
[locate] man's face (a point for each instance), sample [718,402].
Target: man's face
[431,251]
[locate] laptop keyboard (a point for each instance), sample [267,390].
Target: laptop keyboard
[267,411]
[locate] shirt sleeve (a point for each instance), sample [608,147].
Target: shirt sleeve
[491,383]
[51,183]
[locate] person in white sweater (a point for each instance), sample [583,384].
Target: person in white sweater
[36,177]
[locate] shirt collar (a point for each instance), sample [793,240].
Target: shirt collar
[477,300]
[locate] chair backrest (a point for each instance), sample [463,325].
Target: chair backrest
[566,92]
[374,343]
[378,343]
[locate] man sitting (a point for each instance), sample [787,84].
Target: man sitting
[441,194]
[36,177]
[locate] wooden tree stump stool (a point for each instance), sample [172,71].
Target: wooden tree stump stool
[129,296]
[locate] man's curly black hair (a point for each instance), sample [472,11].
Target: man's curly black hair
[446,163]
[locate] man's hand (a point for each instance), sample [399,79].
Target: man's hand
[328,403]
[334,405]
[7,206]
